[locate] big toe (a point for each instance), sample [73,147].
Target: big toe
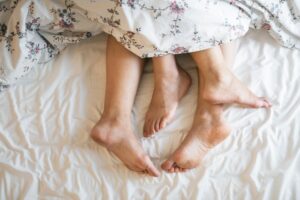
[148,128]
[148,167]
[264,102]
[153,171]
[253,101]
[260,102]
[167,165]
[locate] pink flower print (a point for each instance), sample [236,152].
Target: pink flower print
[130,3]
[175,8]
[232,1]
[65,24]
[179,50]
[130,34]
[36,20]
[266,26]
[36,50]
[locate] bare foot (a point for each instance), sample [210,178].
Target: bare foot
[117,137]
[166,96]
[226,88]
[207,131]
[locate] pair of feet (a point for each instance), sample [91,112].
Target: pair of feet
[116,134]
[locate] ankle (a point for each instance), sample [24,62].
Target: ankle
[167,77]
[209,113]
[162,77]
[214,66]
[115,117]
[110,130]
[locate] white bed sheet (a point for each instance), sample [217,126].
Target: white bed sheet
[46,152]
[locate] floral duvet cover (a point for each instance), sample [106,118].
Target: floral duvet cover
[33,31]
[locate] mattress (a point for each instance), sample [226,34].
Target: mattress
[46,151]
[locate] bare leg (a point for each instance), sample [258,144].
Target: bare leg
[208,130]
[171,84]
[209,127]
[228,51]
[220,84]
[114,130]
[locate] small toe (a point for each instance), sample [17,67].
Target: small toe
[152,127]
[157,127]
[163,123]
[167,165]
[146,128]
[183,170]
[172,170]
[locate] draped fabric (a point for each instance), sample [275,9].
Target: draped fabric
[33,31]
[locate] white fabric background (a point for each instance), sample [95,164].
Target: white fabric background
[46,152]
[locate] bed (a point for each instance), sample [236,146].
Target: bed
[46,151]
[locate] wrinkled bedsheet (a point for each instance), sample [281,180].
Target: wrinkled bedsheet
[33,32]
[46,152]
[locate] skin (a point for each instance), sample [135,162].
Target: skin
[208,130]
[171,83]
[220,86]
[114,130]
[217,86]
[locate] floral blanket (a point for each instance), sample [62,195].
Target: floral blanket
[33,31]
